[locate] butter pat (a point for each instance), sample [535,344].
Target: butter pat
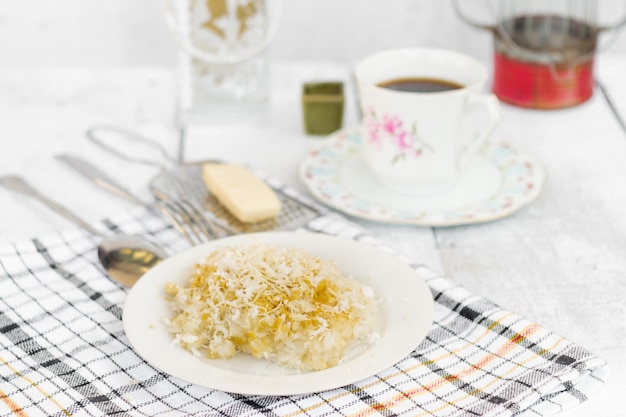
[243,194]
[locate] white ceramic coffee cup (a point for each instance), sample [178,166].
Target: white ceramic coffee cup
[420,142]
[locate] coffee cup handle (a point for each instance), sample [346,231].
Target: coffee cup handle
[491,104]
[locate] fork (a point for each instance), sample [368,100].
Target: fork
[194,223]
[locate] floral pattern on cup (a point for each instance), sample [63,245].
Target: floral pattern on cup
[390,128]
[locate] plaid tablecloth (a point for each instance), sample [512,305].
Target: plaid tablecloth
[64,352]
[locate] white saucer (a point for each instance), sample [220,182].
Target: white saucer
[500,180]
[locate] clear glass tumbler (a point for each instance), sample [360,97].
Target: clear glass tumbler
[222,63]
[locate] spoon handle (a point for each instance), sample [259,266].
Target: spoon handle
[19,185]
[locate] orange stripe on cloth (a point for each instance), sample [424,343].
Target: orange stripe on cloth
[407,395]
[495,380]
[13,406]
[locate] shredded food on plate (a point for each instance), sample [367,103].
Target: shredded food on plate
[273,302]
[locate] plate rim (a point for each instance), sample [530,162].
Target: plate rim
[303,382]
[536,177]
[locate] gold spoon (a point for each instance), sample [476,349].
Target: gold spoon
[124,257]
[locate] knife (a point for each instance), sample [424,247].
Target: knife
[101,179]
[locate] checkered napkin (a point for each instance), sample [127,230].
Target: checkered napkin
[63,350]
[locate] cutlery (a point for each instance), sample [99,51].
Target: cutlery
[124,257]
[180,213]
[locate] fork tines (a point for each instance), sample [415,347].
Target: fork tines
[191,220]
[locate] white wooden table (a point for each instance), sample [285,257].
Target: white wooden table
[560,262]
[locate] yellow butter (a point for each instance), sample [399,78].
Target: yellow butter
[243,194]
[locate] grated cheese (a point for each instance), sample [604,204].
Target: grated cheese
[273,302]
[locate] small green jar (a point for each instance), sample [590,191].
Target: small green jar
[322,107]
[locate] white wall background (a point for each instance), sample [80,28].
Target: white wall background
[109,33]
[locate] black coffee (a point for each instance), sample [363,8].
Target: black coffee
[420,85]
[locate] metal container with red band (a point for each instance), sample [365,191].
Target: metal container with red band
[543,61]
[544,51]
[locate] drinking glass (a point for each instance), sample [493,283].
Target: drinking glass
[222,61]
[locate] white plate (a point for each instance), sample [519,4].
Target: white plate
[406,316]
[499,181]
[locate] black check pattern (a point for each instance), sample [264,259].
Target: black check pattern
[63,350]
